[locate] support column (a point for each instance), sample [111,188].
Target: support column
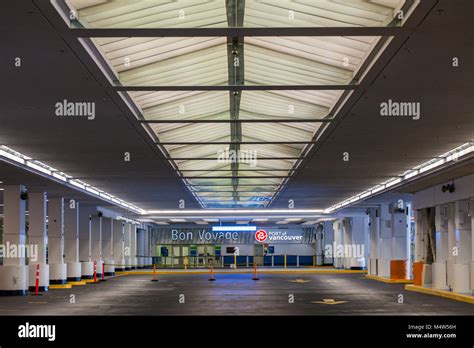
[140,248]
[119,256]
[150,250]
[108,246]
[127,247]
[14,272]
[347,242]
[85,247]
[38,238]
[57,267]
[96,241]
[471,214]
[71,241]
[439,268]
[385,242]
[461,271]
[452,247]
[133,246]
[328,242]
[374,226]
[358,244]
[400,255]
[338,242]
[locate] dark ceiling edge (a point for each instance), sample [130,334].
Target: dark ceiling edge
[69,186]
[53,18]
[420,13]
[403,188]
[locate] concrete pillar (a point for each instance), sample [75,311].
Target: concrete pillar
[424,245]
[385,242]
[133,246]
[85,247]
[358,244]
[347,242]
[463,249]
[400,254]
[119,252]
[439,268]
[14,272]
[140,248]
[471,214]
[150,250]
[71,241]
[38,237]
[127,232]
[108,246]
[338,244]
[96,242]
[374,226]
[452,247]
[328,242]
[57,267]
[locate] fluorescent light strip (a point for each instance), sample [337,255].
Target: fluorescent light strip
[234,228]
[54,173]
[436,162]
[236,211]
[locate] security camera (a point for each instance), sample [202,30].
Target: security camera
[24,195]
[100,214]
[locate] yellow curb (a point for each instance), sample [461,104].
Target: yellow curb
[77,283]
[391,281]
[60,286]
[441,293]
[88,281]
[247,272]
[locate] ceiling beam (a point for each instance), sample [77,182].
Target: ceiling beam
[234,88]
[241,142]
[240,32]
[234,120]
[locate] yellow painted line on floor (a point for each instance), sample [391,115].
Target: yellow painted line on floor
[299,281]
[329,301]
[37,302]
[90,281]
[336,271]
[441,293]
[388,280]
[77,283]
[60,286]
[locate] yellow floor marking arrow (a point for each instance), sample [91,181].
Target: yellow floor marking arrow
[329,301]
[300,281]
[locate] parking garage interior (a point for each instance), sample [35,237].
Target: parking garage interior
[238,158]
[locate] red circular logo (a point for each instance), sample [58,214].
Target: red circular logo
[261,235]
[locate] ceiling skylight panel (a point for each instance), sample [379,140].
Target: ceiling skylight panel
[316,13]
[151,13]
[191,132]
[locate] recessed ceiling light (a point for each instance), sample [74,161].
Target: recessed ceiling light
[211,220]
[259,220]
[293,219]
[201,222]
[314,222]
[242,222]
[283,222]
[161,223]
[178,220]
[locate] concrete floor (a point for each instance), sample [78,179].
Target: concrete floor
[234,294]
